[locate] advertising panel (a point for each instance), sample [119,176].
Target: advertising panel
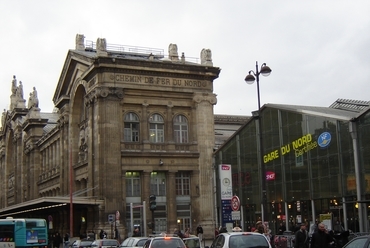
[225,181]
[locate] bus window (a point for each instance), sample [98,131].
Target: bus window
[6,233]
[35,223]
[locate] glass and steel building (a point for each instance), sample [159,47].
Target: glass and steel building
[316,162]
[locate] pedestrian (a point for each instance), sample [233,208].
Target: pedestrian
[101,234]
[301,237]
[66,240]
[136,232]
[57,240]
[217,232]
[178,233]
[338,228]
[223,229]
[321,238]
[260,227]
[282,229]
[200,233]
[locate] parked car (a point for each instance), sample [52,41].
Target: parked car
[136,242]
[240,239]
[105,243]
[192,242]
[164,241]
[82,243]
[358,242]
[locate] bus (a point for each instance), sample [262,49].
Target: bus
[30,233]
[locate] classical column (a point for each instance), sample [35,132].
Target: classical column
[206,140]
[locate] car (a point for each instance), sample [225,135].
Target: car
[81,243]
[358,242]
[240,239]
[131,242]
[105,243]
[164,241]
[192,242]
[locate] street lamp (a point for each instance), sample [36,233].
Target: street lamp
[250,78]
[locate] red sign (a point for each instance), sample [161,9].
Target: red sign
[270,175]
[235,203]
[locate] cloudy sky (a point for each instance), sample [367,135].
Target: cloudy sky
[318,51]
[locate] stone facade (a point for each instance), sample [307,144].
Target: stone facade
[90,147]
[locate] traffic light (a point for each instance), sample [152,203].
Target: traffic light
[152,202]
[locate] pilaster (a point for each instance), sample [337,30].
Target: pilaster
[171,200]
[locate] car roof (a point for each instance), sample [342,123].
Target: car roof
[241,233]
[195,237]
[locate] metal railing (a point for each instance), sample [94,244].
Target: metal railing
[91,45]
[127,49]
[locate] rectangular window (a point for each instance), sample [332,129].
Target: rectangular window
[158,184]
[131,132]
[156,133]
[7,232]
[182,183]
[132,184]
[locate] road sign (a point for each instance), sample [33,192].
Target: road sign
[235,215]
[111,218]
[235,203]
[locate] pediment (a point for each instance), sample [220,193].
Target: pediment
[75,65]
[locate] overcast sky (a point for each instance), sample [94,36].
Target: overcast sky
[318,51]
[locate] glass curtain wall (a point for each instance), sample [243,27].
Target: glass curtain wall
[309,166]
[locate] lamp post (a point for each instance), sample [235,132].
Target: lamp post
[250,78]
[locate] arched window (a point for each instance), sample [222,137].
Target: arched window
[156,128]
[180,129]
[131,128]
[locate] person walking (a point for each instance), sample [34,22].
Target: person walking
[321,238]
[200,233]
[66,240]
[57,240]
[301,237]
[101,234]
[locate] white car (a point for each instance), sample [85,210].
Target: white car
[240,240]
[133,242]
[105,243]
[192,242]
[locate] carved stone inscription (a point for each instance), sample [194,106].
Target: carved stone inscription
[160,81]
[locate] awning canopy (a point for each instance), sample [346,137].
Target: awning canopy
[45,203]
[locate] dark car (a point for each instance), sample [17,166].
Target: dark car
[359,242]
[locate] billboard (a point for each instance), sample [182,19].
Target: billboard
[225,181]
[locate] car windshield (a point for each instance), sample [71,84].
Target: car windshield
[141,242]
[192,243]
[167,243]
[248,241]
[109,243]
[85,243]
